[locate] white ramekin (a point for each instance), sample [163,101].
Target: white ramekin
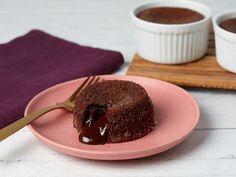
[225,43]
[172,44]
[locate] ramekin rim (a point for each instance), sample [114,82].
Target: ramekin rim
[217,25]
[206,18]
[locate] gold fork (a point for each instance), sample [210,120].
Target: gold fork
[68,104]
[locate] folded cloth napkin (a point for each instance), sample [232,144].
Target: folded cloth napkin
[37,60]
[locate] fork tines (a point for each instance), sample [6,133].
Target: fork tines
[88,81]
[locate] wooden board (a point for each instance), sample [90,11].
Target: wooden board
[205,73]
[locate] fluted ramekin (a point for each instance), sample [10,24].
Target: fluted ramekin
[172,43]
[225,42]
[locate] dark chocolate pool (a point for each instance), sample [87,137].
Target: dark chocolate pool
[170,15]
[229,25]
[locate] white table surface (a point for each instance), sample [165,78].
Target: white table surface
[209,151]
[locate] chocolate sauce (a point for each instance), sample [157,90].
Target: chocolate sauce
[229,25]
[170,15]
[94,130]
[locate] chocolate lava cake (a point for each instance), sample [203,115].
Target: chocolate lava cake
[113,111]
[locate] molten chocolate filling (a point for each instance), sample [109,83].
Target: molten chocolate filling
[94,130]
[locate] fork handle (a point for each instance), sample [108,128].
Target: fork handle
[15,126]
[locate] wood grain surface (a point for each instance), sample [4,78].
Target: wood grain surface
[204,72]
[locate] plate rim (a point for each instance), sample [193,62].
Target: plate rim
[128,153]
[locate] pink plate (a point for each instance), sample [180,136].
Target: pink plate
[175,109]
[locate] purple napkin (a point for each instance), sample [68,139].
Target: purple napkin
[37,60]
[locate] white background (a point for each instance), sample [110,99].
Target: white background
[209,151]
